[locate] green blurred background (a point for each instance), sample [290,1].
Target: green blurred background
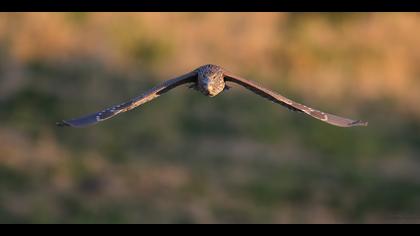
[186,158]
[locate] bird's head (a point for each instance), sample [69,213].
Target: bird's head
[211,80]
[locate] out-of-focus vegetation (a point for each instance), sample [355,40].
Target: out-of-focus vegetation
[185,158]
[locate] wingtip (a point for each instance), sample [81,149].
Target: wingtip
[359,123]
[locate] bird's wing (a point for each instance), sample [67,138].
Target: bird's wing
[292,105]
[133,103]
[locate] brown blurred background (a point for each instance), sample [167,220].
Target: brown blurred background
[185,158]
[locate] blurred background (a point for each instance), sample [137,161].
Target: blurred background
[186,158]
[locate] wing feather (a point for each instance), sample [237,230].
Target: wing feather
[131,104]
[292,105]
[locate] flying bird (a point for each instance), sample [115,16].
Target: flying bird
[210,80]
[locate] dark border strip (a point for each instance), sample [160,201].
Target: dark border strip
[211,5]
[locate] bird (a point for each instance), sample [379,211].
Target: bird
[211,80]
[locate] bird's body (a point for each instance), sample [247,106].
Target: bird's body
[210,80]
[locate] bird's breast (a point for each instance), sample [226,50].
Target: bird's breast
[211,86]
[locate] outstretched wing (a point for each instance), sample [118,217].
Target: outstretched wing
[129,105]
[294,106]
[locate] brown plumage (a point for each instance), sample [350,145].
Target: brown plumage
[211,81]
